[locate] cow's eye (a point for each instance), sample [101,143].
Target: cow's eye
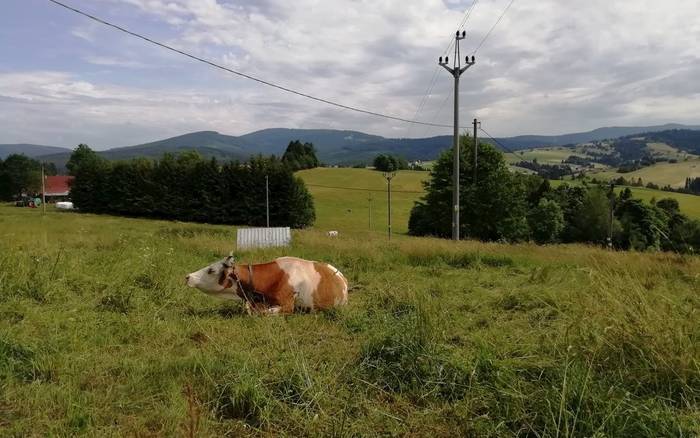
[210,271]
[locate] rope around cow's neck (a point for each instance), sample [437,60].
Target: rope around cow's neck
[242,289]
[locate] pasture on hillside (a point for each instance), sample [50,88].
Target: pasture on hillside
[689,204]
[338,208]
[553,155]
[100,337]
[661,174]
[341,197]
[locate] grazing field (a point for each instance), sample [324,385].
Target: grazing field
[99,337]
[553,155]
[348,209]
[673,174]
[689,204]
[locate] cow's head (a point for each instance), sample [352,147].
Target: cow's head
[215,279]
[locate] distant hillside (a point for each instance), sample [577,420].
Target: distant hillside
[537,141]
[332,146]
[30,150]
[683,139]
[336,146]
[209,144]
[206,142]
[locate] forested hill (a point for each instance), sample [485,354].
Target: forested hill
[30,150]
[683,139]
[332,146]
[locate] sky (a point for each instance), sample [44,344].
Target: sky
[549,67]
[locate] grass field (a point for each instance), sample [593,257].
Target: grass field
[689,204]
[99,337]
[543,155]
[668,151]
[673,174]
[348,210]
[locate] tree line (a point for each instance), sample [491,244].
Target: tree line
[189,188]
[505,206]
[389,163]
[690,187]
[20,174]
[299,156]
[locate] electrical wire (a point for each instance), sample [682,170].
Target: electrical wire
[493,27]
[244,75]
[504,147]
[364,190]
[433,79]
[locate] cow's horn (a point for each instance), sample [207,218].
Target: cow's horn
[229,260]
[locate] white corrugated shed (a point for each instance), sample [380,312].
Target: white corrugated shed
[247,238]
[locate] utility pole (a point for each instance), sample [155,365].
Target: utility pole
[43,190]
[370,210]
[477,124]
[267,201]
[611,195]
[456,71]
[389,176]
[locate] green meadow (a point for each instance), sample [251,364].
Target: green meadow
[342,203]
[689,204]
[342,198]
[100,337]
[553,155]
[662,174]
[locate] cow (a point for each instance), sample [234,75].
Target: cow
[281,286]
[332,233]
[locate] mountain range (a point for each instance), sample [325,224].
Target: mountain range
[332,146]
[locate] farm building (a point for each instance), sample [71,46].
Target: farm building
[57,188]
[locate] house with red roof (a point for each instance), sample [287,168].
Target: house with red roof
[57,188]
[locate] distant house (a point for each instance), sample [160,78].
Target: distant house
[57,188]
[415,164]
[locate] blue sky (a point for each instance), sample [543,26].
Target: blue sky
[549,67]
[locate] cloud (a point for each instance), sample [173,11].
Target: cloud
[114,62]
[549,67]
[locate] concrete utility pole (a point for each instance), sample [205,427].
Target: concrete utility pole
[477,124]
[611,195]
[370,210]
[43,190]
[456,71]
[267,201]
[389,176]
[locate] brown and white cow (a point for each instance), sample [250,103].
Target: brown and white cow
[281,286]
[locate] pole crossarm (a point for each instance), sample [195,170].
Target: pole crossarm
[449,69]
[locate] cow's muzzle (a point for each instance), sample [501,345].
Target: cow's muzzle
[188,281]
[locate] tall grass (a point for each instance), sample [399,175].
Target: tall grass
[99,336]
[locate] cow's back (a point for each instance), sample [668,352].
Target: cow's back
[332,289]
[316,285]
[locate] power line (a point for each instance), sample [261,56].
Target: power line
[433,79]
[493,27]
[244,75]
[499,143]
[462,24]
[365,190]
